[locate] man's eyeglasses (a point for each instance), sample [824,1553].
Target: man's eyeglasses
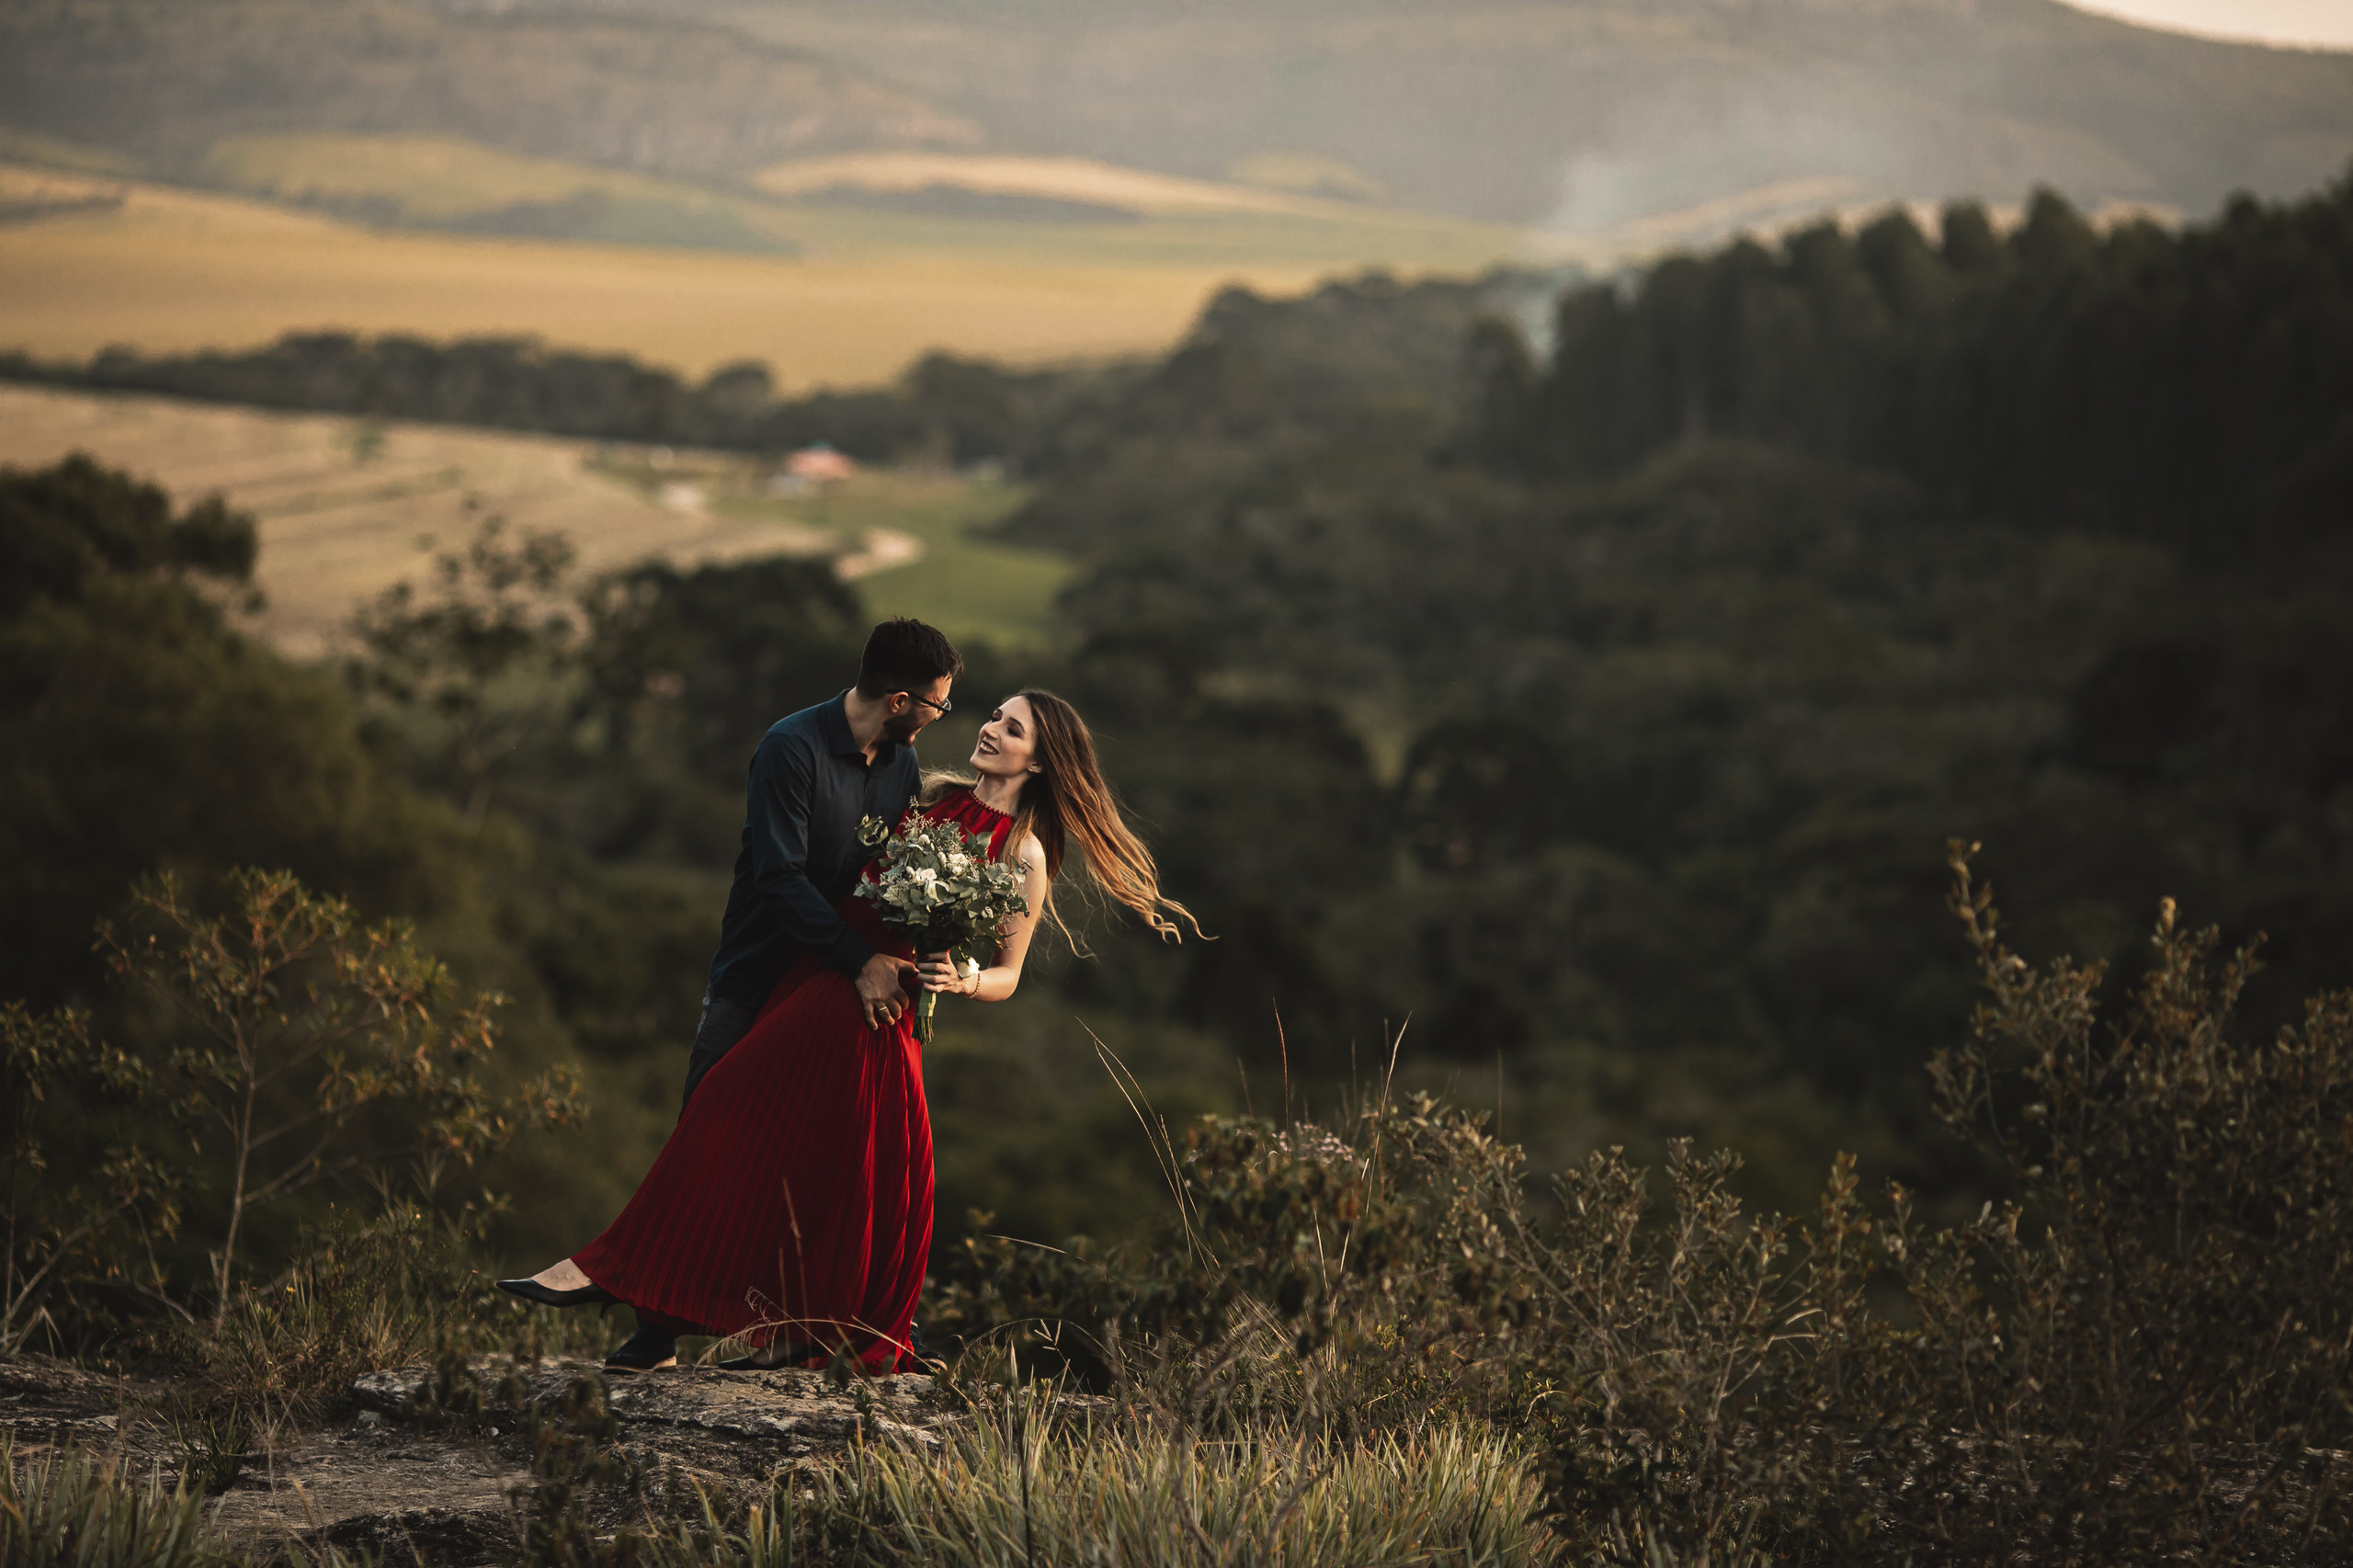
[942,709]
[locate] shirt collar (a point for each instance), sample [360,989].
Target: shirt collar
[835,717]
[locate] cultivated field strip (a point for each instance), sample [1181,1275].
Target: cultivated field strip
[348,508]
[869,293]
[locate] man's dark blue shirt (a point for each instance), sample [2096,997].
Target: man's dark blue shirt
[811,784]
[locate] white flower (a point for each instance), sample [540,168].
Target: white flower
[935,882]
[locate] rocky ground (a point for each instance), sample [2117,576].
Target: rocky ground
[453,1492]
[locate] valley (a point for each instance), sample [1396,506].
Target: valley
[347,508]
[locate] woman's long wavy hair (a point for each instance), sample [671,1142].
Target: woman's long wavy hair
[1067,802]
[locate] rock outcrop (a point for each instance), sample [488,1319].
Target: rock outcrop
[454,1494]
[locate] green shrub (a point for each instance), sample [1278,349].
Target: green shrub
[2145,1355]
[74,1229]
[366,1293]
[314,1048]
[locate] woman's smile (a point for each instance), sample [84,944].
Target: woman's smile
[1007,743]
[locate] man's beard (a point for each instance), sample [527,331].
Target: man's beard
[903,729]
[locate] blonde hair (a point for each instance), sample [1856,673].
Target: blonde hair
[1067,801]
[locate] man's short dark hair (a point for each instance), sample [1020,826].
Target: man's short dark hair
[904,655]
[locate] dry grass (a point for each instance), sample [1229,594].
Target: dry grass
[65,1509]
[1012,1491]
[172,270]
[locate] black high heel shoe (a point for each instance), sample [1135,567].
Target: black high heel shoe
[546,1296]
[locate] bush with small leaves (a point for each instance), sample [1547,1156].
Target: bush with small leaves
[2145,1356]
[316,1049]
[78,1229]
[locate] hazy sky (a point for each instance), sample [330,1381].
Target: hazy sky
[2328,23]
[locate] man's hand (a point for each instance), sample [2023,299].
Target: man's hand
[878,989]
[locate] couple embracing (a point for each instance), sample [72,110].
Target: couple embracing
[791,1208]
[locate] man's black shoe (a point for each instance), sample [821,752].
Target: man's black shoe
[648,1350]
[923,1356]
[773,1357]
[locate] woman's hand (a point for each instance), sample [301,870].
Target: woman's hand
[940,972]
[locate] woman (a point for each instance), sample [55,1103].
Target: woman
[791,1208]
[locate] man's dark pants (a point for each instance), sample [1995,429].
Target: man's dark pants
[724,1023]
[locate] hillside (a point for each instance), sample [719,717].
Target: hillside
[1584,113]
[1577,116]
[167,81]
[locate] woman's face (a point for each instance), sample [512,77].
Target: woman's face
[1008,743]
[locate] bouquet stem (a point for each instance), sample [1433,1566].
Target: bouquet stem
[925,1004]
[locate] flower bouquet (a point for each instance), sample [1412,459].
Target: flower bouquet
[939,889]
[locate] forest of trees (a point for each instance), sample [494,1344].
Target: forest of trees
[943,409]
[1603,711]
[2191,390]
[1645,681]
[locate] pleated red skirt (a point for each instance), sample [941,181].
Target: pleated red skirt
[794,1199]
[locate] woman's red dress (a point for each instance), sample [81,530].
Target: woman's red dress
[793,1200]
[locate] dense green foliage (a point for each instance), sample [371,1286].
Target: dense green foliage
[1623,701]
[2192,390]
[142,731]
[1360,1342]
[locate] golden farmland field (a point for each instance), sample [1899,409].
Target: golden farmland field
[830,270]
[853,296]
[347,507]
[177,271]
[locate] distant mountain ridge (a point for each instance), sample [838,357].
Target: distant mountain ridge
[1576,115]
[167,79]
[1585,113]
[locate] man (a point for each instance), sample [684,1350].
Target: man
[815,775]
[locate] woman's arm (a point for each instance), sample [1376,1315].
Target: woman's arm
[1001,979]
